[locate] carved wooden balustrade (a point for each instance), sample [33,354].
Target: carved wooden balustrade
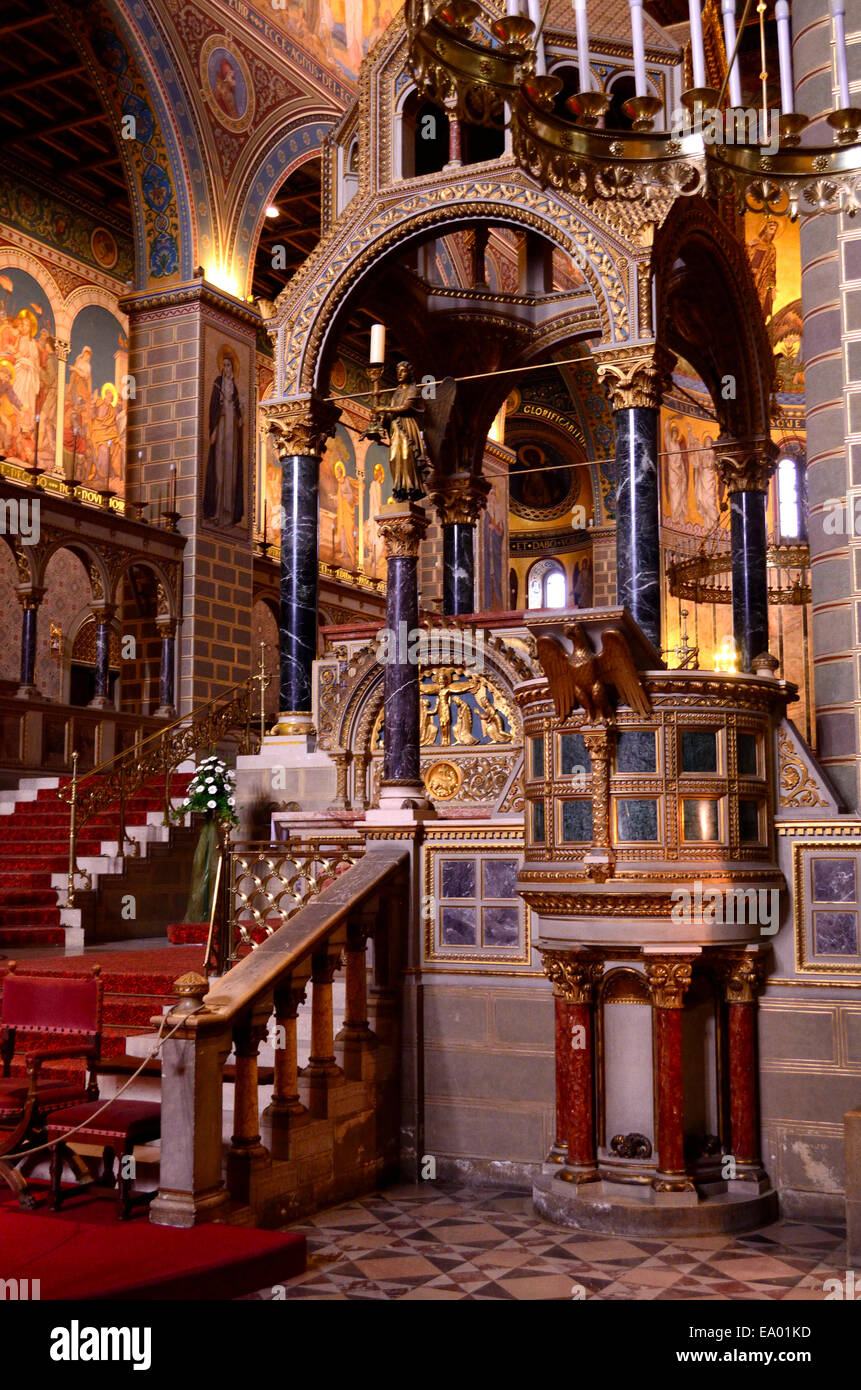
[330,1129]
[38,737]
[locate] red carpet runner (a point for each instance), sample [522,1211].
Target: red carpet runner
[83,1252]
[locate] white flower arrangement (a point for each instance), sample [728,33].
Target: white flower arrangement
[211,790]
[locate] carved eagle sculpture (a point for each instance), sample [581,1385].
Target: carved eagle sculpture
[583,678]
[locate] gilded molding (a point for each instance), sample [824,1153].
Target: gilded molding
[300,426]
[797,787]
[745,467]
[574,979]
[668,980]
[403,531]
[635,376]
[743,978]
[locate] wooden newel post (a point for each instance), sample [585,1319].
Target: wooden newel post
[191,1185]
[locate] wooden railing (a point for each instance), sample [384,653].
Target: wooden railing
[112,784]
[331,1131]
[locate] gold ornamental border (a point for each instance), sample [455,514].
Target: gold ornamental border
[495,844]
[801,857]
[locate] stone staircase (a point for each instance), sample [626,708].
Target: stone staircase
[34,861]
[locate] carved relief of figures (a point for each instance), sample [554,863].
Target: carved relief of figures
[451,700]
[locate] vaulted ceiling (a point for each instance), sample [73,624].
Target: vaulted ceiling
[53,126]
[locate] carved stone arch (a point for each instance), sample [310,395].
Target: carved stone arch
[167,581]
[286,152]
[84,296]
[698,264]
[361,240]
[22,260]
[94,566]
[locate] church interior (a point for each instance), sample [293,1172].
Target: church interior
[430,677]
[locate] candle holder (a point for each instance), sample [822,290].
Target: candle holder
[846,122]
[135,509]
[35,474]
[170,520]
[459,15]
[544,90]
[374,431]
[71,486]
[514,32]
[792,123]
[642,111]
[705,98]
[105,494]
[588,107]
[262,546]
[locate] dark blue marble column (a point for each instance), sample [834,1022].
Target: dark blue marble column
[29,621]
[749,543]
[167,670]
[458,549]
[300,480]
[403,526]
[103,659]
[638,550]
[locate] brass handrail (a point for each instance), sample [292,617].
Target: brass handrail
[116,780]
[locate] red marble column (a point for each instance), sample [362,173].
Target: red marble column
[574,980]
[742,981]
[581,1086]
[668,981]
[559,1150]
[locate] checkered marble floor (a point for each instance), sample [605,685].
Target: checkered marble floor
[452,1242]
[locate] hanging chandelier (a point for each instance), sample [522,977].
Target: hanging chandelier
[490,70]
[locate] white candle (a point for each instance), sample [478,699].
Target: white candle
[838,15]
[583,45]
[728,11]
[639,47]
[533,9]
[512,7]
[378,344]
[784,49]
[698,52]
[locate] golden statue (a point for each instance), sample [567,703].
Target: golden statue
[492,725]
[407,457]
[586,677]
[463,724]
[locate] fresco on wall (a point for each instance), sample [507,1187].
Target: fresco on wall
[691,494]
[774,251]
[226,83]
[28,370]
[95,407]
[226,433]
[338,32]
[355,483]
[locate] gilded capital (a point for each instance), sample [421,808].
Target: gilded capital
[403,527]
[668,980]
[300,425]
[574,978]
[635,376]
[459,498]
[743,978]
[745,467]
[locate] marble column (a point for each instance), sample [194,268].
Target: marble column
[403,526]
[745,471]
[575,979]
[167,668]
[743,978]
[668,979]
[455,142]
[103,617]
[635,380]
[29,600]
[300,428]
[459,499]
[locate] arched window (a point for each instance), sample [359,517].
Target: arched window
[547,586]
[791,510]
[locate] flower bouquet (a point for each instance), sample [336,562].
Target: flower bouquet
[210,792]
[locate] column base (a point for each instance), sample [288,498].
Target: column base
[633,1209]
[186,1209]
[557,1153]
[297,722]
[28,692]
[670,1190]
[165,712]
[401,803]
[100,702]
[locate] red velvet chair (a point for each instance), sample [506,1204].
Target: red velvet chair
[49,1017]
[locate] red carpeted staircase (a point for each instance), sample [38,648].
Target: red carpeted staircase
[34,846]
